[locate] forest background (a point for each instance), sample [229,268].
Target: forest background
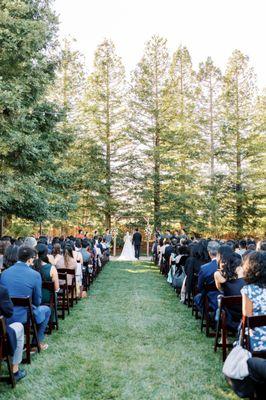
[178,145]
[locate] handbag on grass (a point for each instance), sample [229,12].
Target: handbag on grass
[235,365]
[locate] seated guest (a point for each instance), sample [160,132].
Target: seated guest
[229,280]
[163,262]
[198,257]
[10,256]
[159,250]
[67,260]
[169,250]
[254,295]
[30,241]
[48,272]
[56,254]
[99,244]
[261,245]
[251,247]
[15,333]
[206,277]
[4,244]
[252,386]
[22,281]
[85,251]
[242,247]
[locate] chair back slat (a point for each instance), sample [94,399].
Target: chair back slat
[21,301]
[210,287]
[49,285]
[229,301]
[256,321]
[66,270]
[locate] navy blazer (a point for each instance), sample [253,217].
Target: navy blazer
[6,309]
[206,277]
[23,281]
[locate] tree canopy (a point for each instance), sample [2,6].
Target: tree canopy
[173,143]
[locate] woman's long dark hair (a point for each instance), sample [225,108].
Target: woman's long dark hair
[228,262]
[255,268]
[67,254]
[56,249]
[42,251]
[199,251]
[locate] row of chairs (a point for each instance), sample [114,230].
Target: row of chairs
[60,303]
[221,331]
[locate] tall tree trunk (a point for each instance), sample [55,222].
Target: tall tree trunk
[239,204]
[156,182]
[183,161]
[108,156]
[213,202]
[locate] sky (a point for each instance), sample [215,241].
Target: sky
[207,27]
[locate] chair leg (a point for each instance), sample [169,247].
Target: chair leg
[27,331]
[35,334]
[67,302]
[63,304]
[224,338]
[56,316]
[217,335]
[76,294]
[207,317]
[202,318]
[10,371]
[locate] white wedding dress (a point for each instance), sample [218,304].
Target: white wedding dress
[128,252]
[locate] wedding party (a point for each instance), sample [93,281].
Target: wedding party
[132,201]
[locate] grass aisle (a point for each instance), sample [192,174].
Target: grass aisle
[130,340]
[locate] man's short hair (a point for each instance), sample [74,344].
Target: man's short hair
[25,253]
[213,247]
[137,229]
[243,244]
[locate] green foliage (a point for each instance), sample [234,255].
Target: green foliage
[174,145]
[32,181]
[148,126]
[238,139]
[104,139]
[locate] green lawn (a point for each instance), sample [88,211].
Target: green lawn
[130,340]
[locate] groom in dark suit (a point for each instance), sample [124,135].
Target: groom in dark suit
[137,242]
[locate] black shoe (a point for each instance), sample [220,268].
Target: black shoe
[20,374]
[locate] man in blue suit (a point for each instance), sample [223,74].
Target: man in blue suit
[22,281]
[206,277]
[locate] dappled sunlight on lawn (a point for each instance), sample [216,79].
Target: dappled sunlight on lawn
[136,271]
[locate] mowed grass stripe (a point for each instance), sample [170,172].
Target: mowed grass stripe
[130,339]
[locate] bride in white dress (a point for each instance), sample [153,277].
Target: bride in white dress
[128,252]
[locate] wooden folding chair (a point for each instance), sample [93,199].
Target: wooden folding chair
[29,325]
[250,323]
[53,322]
[206,321]
[225,302]
[4,356]
[63,295]
[72,290]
